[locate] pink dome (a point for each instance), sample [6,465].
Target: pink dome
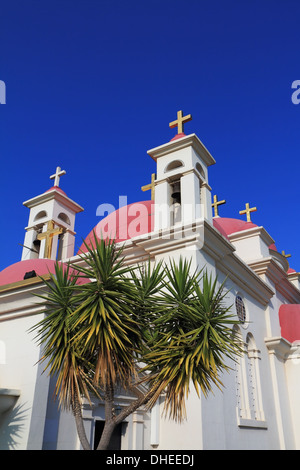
[228,226]
[17,271]
[125,223]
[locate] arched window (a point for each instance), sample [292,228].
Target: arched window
[240,308]
[248,385]
[173,165]
[242,396]
[200,170]
[62,216]
[256,405]
[40,215]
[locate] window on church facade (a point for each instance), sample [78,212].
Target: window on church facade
[242,396]
[256,405]
[248,385]
[173,165]
[40,215]
[240,309]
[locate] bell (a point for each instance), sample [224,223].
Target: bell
[176,192]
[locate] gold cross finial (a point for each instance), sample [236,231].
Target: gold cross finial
[56,177]
[180,121]
[247,211]
[48,235]
[217,203]
[150,186]
[286,256]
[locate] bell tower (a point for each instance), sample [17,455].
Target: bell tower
[182,192]
[50,231]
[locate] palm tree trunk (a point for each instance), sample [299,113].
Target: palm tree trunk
[106,435]
[109,425]
[112,421]
[76,408]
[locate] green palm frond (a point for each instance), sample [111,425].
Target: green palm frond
[195,338]
[104,318]
[55,334]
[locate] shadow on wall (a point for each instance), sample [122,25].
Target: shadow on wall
[11,427]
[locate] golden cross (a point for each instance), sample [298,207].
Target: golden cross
[150,186]
[247,211]
[48,235]
[180,121]
[217,203]
[286,256]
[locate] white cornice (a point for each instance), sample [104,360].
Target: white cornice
[53,194]
[252,232]
[270,268]
[190,140]
[238,271]
[19,300]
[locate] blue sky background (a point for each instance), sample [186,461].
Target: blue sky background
[93,84]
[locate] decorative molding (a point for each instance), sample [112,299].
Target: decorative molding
[49,196]
[252,232]
[190,140]
[25,283]
[278,346]
[270,268]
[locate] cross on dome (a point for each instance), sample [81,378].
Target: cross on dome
[59,172]
[217,203]
[247,211]
[180,121]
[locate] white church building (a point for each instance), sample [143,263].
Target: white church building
[258,408]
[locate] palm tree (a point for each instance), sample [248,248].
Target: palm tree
[162,326]
[107,327]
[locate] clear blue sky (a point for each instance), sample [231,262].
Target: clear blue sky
[93,84]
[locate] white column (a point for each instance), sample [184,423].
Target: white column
[68,243]
[190,198]
[30,236]
[206,201]
[154,423]
[138,430]
[162,212]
